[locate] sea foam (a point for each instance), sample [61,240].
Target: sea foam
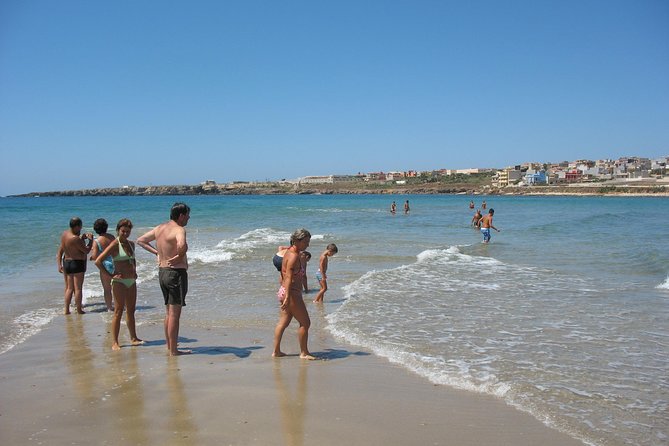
[27,325]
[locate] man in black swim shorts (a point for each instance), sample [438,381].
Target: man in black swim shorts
[174,285]
[71,259]
[171,248]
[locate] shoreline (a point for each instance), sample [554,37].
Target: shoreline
[601,189]
[65,385]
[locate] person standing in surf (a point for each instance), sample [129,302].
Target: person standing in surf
[71,260]
[171,248]
[290,295]
[486,225]
[123,281]
[101,242]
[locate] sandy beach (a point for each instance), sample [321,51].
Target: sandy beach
[65,386]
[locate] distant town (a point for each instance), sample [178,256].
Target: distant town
[526,174]
[628,175]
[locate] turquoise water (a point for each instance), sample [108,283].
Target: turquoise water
[564,315]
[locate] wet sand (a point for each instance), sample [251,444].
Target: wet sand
[66,386]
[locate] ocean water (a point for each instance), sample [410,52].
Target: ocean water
[564,315]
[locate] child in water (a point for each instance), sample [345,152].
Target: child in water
[321,274]
[305,256]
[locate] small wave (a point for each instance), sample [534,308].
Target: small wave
[436,370]
[211,256]
[664,285]
[27,325]
[255,238]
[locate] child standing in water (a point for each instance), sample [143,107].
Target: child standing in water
[321,274]
[305,256]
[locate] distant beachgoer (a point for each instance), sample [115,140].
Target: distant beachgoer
[486,225]
[101,242]
[71,260]
[393,208]
[305,256]
[123,282]
[171,248]
[476,219]
[290,296]
[406,207]
[483,205]
[471,204]
[321,274]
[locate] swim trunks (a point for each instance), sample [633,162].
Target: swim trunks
[74,266]
[174,285]
[277,261]
[319,276]
[486,234]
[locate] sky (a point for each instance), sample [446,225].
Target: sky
[106,94]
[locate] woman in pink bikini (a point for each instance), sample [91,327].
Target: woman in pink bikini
[290,295]
[124,280]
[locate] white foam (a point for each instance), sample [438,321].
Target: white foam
[27,325]
[437,370]
[664,285]
[211,256]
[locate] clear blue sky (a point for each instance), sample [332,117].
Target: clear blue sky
[97,94]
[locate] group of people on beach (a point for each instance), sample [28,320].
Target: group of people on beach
[115,258]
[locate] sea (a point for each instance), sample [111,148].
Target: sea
[563,315]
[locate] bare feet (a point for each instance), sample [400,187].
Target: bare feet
[137,342]
[67,312]
[116,347]
[278,354]
[181,352]
[308,356]
[80,311]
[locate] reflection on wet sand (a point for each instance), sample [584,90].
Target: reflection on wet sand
[292,404]
[80,360]
[125,394]
[180,419]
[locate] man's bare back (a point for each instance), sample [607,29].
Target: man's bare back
[171,246]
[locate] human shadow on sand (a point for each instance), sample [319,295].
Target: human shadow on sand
[332,353]
[163,342]
[240,352]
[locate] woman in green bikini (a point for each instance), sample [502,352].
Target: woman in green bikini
[123,281]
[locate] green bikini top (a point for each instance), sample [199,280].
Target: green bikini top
[122,254]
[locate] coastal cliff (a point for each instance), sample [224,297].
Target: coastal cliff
[362,188]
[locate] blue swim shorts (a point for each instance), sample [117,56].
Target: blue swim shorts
[486,234]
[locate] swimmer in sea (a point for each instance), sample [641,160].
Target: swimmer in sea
[476,219]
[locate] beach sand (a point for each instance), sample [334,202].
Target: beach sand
[66,386]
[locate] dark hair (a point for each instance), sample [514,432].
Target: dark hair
[298,235]
[75,221]
[332,247]
[307,254]
[491,211]
[123,222]
[100,226]
[178,209]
